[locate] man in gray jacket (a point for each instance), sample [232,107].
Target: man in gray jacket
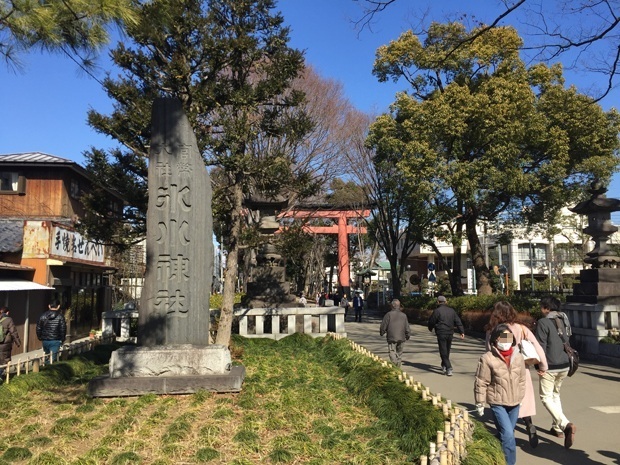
[396,326]
[550,334]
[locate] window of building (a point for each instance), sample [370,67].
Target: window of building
[11,181]
[568,254]
[534,255]
[74,189]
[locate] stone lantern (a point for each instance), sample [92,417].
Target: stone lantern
[595,304]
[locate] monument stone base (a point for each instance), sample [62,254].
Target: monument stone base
[174,369]
[594,308]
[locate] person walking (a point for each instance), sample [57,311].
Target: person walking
[500,382]
[552,331]
[344,303]
[52,329]
[358,305]
[11,336]
[504,312]
[443,320]
[396,328]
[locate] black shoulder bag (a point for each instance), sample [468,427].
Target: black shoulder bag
[573,355]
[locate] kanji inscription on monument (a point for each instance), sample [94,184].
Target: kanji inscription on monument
[175,299]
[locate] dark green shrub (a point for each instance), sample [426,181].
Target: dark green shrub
[399,408]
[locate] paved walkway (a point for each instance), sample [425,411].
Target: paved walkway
[591,398]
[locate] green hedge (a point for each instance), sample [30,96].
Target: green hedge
[467,303]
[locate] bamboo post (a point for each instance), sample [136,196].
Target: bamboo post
[432,452]
[443,457]
[27,364]
[423,460]
[446,426]
[439,437]
[35,365]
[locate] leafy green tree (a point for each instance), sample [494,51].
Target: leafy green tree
[504,140]
[75,27]
[229,63]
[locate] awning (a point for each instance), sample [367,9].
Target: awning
[21,285]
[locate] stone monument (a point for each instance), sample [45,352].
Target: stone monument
[173,355]
[594,307]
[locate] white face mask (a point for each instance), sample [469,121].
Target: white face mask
[504,346]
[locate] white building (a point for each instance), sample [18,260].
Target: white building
[525,259]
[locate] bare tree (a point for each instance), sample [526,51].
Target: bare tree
[582,33]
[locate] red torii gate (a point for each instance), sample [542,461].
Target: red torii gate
[343,229]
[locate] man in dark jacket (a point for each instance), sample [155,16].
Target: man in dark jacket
[550,334]
[11,336]
[443,320]
[52,329]
[358,305]
[396,326]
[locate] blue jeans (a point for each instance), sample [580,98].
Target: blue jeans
[505,421]
[51,347]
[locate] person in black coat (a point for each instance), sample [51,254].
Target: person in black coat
[11,336]
[443,320]
[52,329]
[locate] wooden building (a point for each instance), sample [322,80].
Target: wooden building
[42,256]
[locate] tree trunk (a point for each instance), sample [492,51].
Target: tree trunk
[483,277]
[232,268]
[455,279]
[396,286]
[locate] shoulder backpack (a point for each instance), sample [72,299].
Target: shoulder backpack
[573,355]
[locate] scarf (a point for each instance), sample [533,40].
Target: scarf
[506,354]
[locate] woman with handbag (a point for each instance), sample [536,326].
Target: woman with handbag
[504,313]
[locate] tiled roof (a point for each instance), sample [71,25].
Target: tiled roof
[11,235]
[32,157]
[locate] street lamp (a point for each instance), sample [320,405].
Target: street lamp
[408,267]
[531,265]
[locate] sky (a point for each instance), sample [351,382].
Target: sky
[44,106]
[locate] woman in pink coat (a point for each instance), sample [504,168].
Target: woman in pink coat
[503,312]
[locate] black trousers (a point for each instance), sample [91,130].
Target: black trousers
[444,341]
